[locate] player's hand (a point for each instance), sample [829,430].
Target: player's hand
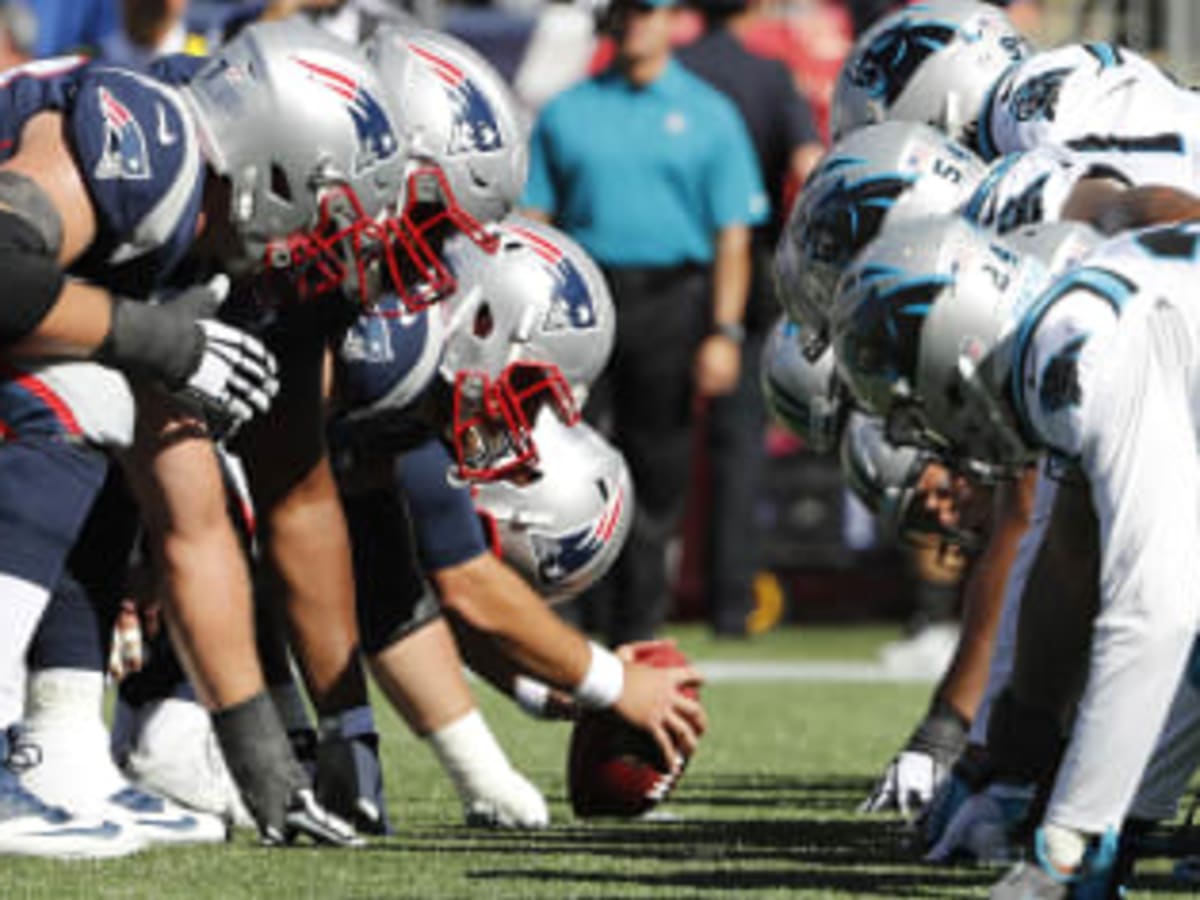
[717,365]
[907,784]
[234,378]
[653,700]
[306,818]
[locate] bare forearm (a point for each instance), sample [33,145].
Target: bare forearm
[75,326]
[494,601]
[1111,208]
[731,275]
[964,683]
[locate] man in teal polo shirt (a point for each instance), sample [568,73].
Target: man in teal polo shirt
[652,171]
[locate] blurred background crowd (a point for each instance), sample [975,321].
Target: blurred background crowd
[739,523]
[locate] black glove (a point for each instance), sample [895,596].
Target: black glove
[274,787]
[350,781]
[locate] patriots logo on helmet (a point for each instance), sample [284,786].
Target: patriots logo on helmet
[376,139]
[1037,98]
[1059,386]
[559,557]
[850,214]
[475,126]
[572,305]
[125,154]
[886,328]
[886,66]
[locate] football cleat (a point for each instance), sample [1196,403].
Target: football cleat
[31,827]
[1040,880]
[175,755]
[161,821]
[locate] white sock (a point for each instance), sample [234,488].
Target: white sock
[1064,847]
[62,717]
[469,753]
[21,606]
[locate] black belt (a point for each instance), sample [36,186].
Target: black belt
[651,276]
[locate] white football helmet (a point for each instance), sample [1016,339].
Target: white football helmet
[531,323]
[299,124]
[931,62]
[563,524]
[881,474]
[922,328]
[468,145]
[882,175]
[804,396]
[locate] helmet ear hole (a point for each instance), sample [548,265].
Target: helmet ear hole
[484,321]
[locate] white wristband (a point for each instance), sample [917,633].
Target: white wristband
[531,695]
[601,687]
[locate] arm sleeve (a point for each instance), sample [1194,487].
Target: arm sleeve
[735,191]
[540,191]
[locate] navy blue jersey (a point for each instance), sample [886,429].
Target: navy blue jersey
[137,151]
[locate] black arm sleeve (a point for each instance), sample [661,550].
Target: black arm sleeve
[33,278]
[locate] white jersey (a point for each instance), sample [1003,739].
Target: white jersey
[1109,105]
[1107,363]
[1026,188]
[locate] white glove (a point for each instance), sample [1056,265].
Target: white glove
[907,784]
[235,379]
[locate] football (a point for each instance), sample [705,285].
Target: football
[614,769]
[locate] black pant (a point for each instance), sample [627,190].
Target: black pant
[736,424]
[643,402]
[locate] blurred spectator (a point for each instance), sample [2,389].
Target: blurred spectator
[557,55]
[150,29]
[1026,14]
[65,26]
[18,33]
[652,171]
[787,146]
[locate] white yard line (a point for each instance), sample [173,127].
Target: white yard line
[730,671]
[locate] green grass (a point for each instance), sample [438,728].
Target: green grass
[765,811]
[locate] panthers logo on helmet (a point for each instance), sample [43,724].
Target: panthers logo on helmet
[125,154]
[475,126]
[572,306]
[885,334]
[1037,98]
[559,557]
[850,213]
[1059,387]
[886,66]
[376,139]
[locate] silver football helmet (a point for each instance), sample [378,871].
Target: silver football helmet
[931,62]
[804,396]
[922,329]
[881,474]
[882,175]
[468,145]
[564,525]
[299,124]
[530,324]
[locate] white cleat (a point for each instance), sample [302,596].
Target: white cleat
[31,827]
[509,803]
[175,755]
[162,822]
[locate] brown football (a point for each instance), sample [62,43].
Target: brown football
[615,769]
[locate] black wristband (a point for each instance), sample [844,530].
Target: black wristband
[152,341]
[942,734]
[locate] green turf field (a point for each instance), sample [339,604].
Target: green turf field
[766,810]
